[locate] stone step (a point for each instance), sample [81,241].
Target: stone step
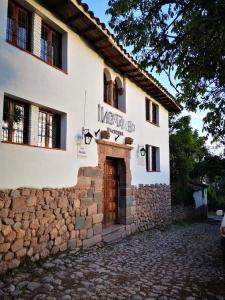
[113,233]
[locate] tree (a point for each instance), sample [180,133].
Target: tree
[181,37]
[187,151]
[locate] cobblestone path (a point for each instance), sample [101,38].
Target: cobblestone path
[178,263]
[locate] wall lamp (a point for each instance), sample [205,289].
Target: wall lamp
[87,136]
[141,150]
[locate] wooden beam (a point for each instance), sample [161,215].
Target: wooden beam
[105,47]
[128,72]
[86,30]
[56,4]
[100,40]
[75,17]
[124,65]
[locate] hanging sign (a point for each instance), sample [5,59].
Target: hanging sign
[110,118]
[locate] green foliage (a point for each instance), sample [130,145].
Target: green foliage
[181,37]
[212,200]
[187,149]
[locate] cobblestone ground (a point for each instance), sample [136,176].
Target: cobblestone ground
[178,263]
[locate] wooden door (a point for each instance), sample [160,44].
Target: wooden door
[110,192]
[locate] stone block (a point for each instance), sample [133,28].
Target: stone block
[88,222]
[13,263]
[90,233]
[4,247]
[63,247]
[72,244]
[92,241]
[86,202]
[63,202]
[11,236]
[9,256]
[19,204]
[98,197]
[97,228]
[6,229]
[84,181]
[97,218]
[80,221]
[58,240]
[17,245]
[31,201]
[20,253]
[92,209]
[4,212]
[83,234]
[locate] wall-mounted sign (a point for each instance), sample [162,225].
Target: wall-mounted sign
[110,118]
[81,151]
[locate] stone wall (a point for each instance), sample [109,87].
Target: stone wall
[37,222]
[153,205]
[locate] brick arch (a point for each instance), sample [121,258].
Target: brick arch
[122,153]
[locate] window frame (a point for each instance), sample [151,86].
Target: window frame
[49,137]
[10,119]
[149,106]
[152,165]
[50,33]
[17,9]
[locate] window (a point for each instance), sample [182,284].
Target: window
[15,123]
[105,89]
[155,114]
[19,26]
[48,129]
[51,46]
[152,112]
[115,94]
[152,158]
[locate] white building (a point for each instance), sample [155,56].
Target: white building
[62,76]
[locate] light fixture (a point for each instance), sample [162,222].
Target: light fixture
[142,151]
[87,136]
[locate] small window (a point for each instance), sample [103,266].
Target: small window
[152,112]
[18,26]
[51,44]
[155,114]
[15,123]
[105,89]
[152,159]
[48,129]
[115,95]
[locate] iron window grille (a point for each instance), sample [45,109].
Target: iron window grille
[18,26]
[15,125]
[51,44]
[48,129]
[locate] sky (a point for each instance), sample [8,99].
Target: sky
[99,7]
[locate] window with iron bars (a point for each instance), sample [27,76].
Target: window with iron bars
[51,46]
[21,34]
[19,26]
[15,125]
[48,129]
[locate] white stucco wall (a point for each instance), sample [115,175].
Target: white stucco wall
[26,77]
